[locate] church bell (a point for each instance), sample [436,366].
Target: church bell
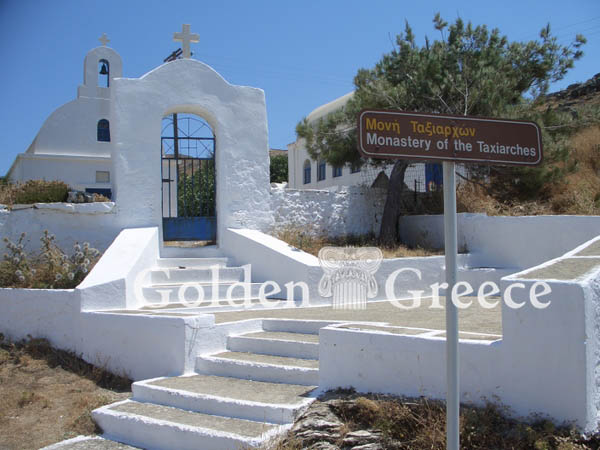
[104,69]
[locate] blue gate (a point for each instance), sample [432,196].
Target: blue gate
[188,179]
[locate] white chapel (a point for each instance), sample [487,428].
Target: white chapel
[74,143]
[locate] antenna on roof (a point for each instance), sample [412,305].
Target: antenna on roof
[173,56]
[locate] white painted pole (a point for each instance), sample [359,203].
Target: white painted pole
[452,369]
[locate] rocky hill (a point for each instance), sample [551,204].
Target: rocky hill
[577,93]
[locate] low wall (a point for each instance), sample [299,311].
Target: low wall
[504,241]
[84,222]
[136,346]
[340,211]
[546,362]
[43,313]
[112,282]
[141,346]
[274,260]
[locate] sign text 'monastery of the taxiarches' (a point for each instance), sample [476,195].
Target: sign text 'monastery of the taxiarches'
[409,135]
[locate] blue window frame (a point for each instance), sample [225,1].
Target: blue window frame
[354,168]
[103,131]
[307,172]
[337,172]
[321,170]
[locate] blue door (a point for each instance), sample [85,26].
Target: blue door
[188,179]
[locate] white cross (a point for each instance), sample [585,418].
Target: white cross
[104,39]
[185,37]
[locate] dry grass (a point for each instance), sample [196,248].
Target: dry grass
[33,191]
[37,191]
[47,395]
[420,424]
[578,193]
[310,242]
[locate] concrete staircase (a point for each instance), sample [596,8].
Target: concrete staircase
[205,283]
[239,398]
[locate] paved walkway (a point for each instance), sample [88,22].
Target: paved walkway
[474,319]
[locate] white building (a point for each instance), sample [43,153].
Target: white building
[307,173]
[74,143]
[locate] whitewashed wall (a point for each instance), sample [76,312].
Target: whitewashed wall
[66,147]
[502,241]
[79,172]
[546,361]
[86,222]
[342,210]
[238,118]
[137,346]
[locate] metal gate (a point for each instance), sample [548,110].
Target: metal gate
[188,179]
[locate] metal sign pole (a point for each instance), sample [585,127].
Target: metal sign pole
[452,369]
[384,134]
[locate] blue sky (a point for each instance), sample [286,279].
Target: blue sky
[302,54]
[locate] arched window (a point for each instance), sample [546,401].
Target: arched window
[103,73]
[307,172]
[103,131]
[321,170]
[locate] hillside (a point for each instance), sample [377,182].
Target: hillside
[570,120]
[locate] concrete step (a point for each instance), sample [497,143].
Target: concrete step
[170,275]
[225,396]
[191,262]
[191,292]
[276,343]
[254,366]
[185,250]
[163,427]
[296,326]
[89,443]
[209,306]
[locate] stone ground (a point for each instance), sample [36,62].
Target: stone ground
[345,420]
[474,319]
[566,269]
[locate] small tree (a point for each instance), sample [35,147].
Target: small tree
[468,71]
[279,168]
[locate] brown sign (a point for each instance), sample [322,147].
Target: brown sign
[409,135]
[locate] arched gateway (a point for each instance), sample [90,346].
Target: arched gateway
[187,146]
[238,158]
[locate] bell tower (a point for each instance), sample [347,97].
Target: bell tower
[100,66]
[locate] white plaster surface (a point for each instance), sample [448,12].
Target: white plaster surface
[271,258]
[146,432]
[142,346]
[66,147]
[501,241]
[113,281]
[237,115]
[45,313]
[274,260]
[137,346]
[227,367]
[546,361]
[79,172]
[70,223]
[215,405]
[340,211]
